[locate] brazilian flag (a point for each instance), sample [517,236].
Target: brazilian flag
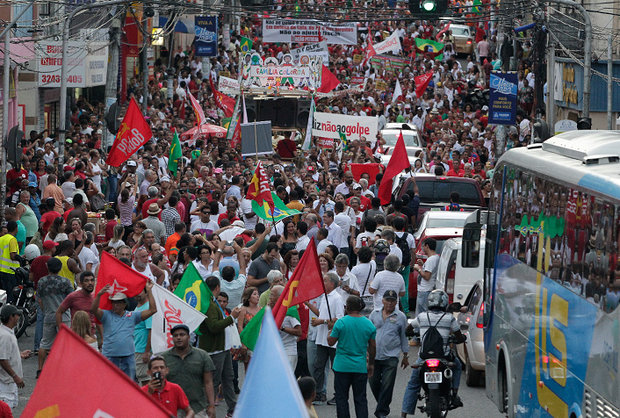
[246,44]
[175,154]
[279,212]
[193,290]
[477,7]
[434,48]
[344,140]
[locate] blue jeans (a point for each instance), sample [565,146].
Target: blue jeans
[413,387]
[38,331]
[323,361]
[421,302]
[382,384]
[357,382]
[7,282]
[113,188]
[127,364]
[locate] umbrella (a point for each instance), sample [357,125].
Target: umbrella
[204,130]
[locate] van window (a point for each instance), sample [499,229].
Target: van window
[433,191]
[475,298]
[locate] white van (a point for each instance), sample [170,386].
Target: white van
[457,273]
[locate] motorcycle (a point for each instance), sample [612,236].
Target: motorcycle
[24,299]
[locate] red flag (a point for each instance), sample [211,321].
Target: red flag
[370,49]
[133,133]
[200,114]
[121,278]
[110,392]
[421,83]
[236,138]
[328,81]
[306,284]
[372,169]
[442,31]
[227,104]
[259,189]
[398,162]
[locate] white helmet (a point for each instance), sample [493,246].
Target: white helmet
[31,252]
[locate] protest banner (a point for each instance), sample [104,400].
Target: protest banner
[391,44]
[312,50]
[397,63]
[206,35]
[229,86]
[330,125]
[308,31]
[503,98]
[380,85]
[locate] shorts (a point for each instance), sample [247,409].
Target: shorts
[141,369]
[9,394]
[49,335]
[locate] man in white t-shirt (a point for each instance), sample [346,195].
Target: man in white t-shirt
[427,274]
[205,225]
[388,279]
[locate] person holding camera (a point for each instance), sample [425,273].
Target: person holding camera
[169,395]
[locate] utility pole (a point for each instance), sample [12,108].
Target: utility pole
[551,87]
[610,73]
[145,62]
[111,85]
[6,33]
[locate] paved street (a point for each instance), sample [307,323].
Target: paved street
[475,401]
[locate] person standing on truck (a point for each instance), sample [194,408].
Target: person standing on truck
[454,205]
[427,274]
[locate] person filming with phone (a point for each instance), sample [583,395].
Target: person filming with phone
[169,395]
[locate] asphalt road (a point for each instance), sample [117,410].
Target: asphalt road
[476,404]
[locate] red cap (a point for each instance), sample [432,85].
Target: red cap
[48,245]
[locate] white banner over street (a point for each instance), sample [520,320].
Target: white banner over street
[330,125]
[308,31]
[312,50]
[87,64]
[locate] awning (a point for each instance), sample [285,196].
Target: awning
[22,50]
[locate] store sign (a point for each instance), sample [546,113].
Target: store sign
[87,64]
[308,31]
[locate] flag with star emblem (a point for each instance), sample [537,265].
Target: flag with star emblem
[120,277]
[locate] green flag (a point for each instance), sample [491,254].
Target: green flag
[192,289]
[246,44]
[278,213]
[250,332]
[175,154]
[249,335]
[434,48]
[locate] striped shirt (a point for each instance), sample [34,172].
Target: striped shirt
[170,217]
[126,210]
[445,323]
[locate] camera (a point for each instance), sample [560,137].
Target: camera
[157,376]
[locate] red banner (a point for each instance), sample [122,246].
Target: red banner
[133,133]
[227,104]
[121,278]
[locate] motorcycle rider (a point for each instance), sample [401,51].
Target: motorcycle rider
[446,325]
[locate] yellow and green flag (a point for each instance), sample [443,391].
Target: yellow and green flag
[175,154]
[435,49]
[344,141]
[477,7]
[246,44]
[275,214]
[193,290]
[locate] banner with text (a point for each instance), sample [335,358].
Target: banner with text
[503,98]
[330,125]
[87,64]
[308,31]
[312,50]
[390,44]
[206,36]
[389,62]
[229,86]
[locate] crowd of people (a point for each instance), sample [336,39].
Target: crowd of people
[62,217]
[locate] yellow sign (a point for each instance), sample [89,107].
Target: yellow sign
[569,89]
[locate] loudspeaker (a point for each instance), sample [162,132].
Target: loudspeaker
[286,112]
[251,109]
[303,113]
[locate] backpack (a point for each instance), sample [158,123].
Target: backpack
[403,245]
[432,341]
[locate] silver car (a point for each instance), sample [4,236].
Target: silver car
[471,322]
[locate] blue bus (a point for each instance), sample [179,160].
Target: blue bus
[552,282]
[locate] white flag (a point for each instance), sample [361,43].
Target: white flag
[391,44]
[171,311]
[398,91]
[308,138]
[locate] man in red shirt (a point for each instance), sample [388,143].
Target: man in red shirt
[80,300]
[169,395]
[38,267]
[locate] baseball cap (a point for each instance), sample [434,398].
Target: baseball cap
[118,296]
[179,326]
[131,163]
[390,294]
[49,244]
[218,171]
[32,184]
